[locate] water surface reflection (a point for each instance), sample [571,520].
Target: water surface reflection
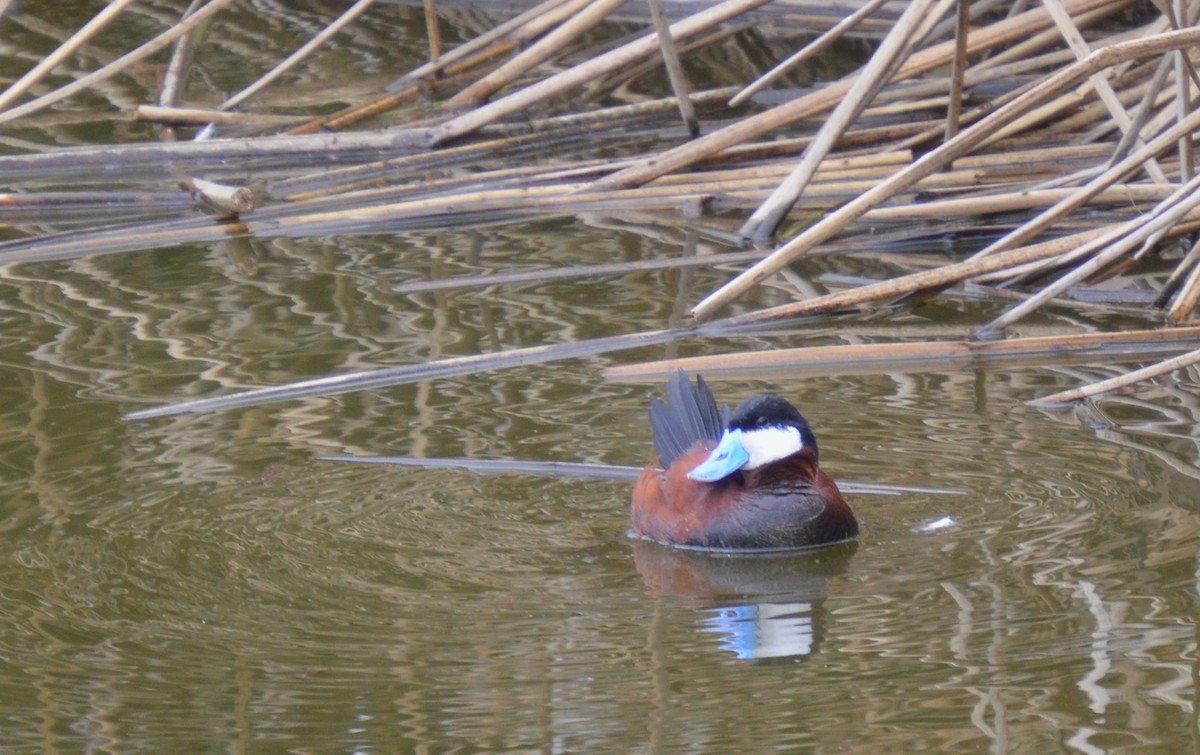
[205,578]
[757,606]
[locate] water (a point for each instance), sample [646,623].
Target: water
[204,579]
[204,582]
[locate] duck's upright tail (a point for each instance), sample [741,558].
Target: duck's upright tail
[689,415]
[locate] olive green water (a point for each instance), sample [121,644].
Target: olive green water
[205,583]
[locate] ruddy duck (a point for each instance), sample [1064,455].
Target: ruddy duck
[742,482]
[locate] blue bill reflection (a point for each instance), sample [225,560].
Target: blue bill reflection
[757,606]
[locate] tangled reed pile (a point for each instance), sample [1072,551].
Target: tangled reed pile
[1064,126]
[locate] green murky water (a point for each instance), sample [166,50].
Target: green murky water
[204,582]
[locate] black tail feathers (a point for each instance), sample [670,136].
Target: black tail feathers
[689,415]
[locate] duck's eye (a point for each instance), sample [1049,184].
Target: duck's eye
[762,422]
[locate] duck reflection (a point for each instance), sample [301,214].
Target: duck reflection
[757,605]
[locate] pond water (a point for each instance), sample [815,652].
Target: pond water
[206,578]
[206,582]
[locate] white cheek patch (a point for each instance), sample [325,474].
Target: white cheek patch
[768,444]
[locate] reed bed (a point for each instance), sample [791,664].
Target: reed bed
[1063,127]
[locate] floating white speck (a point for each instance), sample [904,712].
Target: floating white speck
[936,524]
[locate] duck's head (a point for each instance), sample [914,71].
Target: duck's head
[761,431]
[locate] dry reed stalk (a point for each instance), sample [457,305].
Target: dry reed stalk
[198,117]
[609,85]
[1100,82]
[1001,32]
[1016,200]
[439,368]
[763,222]
[938,158]
[449,69]
[818,45]
[1081,300]
[962,24]
[1144,109]
[1189,296]
[534,196]
[421,212]
[924,356]
[1161,119]
[506,178]
[1044,115]
[572,77]
[1185,105]
[357,177]
[866,166]
[359,112]
[611,117]
[1048,37]
[122,63]
[303,52]
[675,73]
[223,150]
[98,23]
[433,30]
[987,70]
[1116,242]
[1055,154]
[1115,173]
[1121,381]
[911,106]
[236,199]
[940,277]
[550,12]
[173,80]
[47,200]
[945,275]
[536,54]
[123,238]
[1096,118]
[571,272]
[935,132]
[856,142]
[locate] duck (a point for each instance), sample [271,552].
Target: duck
[733,482]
